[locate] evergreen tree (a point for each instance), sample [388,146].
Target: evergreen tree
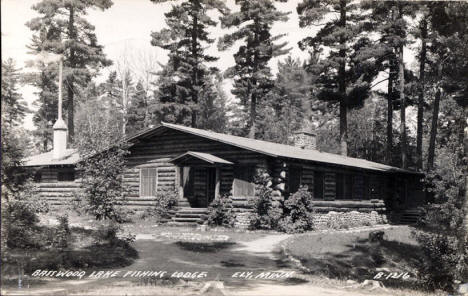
[138,117]
[62,29]
[387,19]
[185,74]
[14,110]
[252,75]
[212,114]
[344,74]
[46,115]
[288,105]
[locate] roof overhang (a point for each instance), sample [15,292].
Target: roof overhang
[193,157]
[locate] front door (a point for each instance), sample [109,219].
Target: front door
[202,187]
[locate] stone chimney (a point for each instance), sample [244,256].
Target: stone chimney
[305,139]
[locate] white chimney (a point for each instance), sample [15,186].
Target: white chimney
[60,139]
[60,128]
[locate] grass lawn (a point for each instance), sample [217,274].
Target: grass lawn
[352,256]
[164,248]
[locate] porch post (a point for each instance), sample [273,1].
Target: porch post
[218,182]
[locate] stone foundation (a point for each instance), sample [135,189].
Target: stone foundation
[337,220]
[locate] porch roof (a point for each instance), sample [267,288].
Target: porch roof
[206,157]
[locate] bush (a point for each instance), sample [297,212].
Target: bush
[19,215]
[220,212]
[441,231]
[166,200]
[298,212]
[107,233]
[266,211]
[61,233]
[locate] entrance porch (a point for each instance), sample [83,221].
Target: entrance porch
[198,178]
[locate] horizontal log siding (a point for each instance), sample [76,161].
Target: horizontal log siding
[328,203]
[158,151]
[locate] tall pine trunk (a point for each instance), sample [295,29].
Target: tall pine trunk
[401,78]
[435,119]
[342,85]
[390,93]
[464,238]
[422,64]
[70,91]
[252,88]
[195,83]
[253,115]
[124,103]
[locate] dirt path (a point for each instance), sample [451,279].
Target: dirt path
[264,246]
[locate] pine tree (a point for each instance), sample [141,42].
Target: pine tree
[14,110]
[186,39]
[46,115]
[343,75]
[212,110]
[62,29]
[138,117]
[387,19]
[252,75]
[288,104]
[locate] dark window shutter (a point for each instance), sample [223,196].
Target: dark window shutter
[294,178]
[318,185]
[329,183]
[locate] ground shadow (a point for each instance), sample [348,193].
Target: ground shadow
[208,247]
[362,259]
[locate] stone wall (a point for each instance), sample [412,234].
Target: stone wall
[337,220]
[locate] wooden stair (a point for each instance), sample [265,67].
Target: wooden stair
[186,216]
[410,216]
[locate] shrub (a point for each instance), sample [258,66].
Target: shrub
[107,233]
[166,200]
[266,211]
[102,188]
[441,230]
[61,233]
[220,212]
[20,217]
[298,212]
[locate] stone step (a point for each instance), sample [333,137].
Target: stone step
[192,210]
[189,224]
[186,219]
[190,215]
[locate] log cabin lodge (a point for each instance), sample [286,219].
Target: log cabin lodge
[203,165]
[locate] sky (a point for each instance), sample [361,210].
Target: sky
[124,31]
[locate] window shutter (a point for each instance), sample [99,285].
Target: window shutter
[329,184]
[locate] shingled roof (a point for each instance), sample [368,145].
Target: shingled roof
[44,159]
[274,149]
[263,147]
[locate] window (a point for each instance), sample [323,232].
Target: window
[340,179]
[66,176]
[242,184]
[148,181]
[295,178]
[318,185]
[38,177]
[358,187]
